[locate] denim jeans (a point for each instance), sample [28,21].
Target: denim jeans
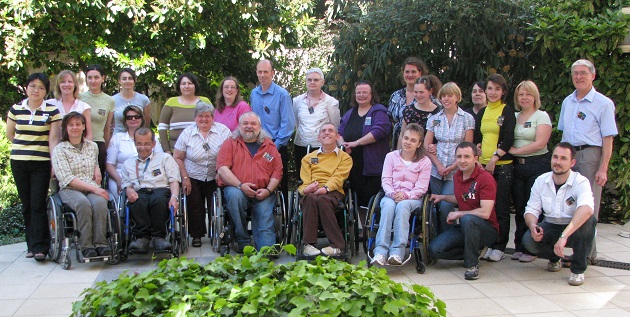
[443,187]
[581,241]
[91,210]
[464,241]
[394,216]
[262,217]
[31,180]
[524,177]
[503,175]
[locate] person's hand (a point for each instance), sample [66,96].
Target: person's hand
[399,196]
[601,177]
[249,189]
[558,248]
[447,170]
[348,146]
[101,192]
[118,186]
[311,188]
[132,195]
[187,185]
[452,216]
[432,149]
[97,176]
[440,168]
[436,198]
[262,193]
[537,233]
[173,202]
[490,166]
[321,191]
[513,151]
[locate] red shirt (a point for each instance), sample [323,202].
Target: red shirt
[479,186]
[257,169]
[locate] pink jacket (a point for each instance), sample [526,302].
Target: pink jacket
[413,180]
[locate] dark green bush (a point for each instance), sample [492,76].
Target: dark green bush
[253,285]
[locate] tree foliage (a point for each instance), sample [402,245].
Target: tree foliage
[461,41]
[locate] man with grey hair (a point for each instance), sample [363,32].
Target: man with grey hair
[312,109]
[587,121]
[250,170]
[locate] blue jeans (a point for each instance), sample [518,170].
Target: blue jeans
[394,216]
[262,217]
[443,187]
[581,241]
[464,241]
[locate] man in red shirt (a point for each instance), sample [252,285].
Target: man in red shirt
[475,194]
[250,170]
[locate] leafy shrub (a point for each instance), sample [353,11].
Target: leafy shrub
[253,285]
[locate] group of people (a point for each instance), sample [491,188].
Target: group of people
[461,157]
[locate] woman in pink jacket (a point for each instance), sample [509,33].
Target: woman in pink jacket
[405,180]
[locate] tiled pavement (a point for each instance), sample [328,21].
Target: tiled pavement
[506,288]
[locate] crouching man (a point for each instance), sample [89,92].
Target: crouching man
[566,200]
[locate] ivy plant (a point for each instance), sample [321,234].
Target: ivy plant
[252,285]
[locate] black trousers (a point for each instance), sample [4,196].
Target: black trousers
[150,212]
[32,179]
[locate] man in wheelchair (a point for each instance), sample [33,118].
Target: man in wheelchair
[475,194]
[250,170]
[151,181]
[323,173]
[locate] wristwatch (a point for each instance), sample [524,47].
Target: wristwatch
[497,154]
[327,189]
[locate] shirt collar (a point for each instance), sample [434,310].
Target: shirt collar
[589,96]
[569,181]
[41,107]
[147,159]
[336,150]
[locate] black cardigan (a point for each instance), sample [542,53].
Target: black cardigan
[506,131]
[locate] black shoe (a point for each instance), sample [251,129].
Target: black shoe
[104,251]
[139,245]
[239,248]
[160,244]
[89,253]
[196,242]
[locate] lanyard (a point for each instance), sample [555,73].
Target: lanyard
[145,169]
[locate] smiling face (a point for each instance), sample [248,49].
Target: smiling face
[421,93]
[94,81]
[249,127]
[494,92]
[525,99]
[314,82]
[411,73]
[363,94]
[144,145]
[478,96]
[204,121]
[133,120]
[328,135]
[229,90]
[75,128]
[582,78]
[126,81]
[265,73]
[466,159]
[187,87]
[449,101]
[67,85]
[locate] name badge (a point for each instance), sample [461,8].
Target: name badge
[500,120]
[314,160]
[102,112]
[581,115]
[368,121]
[156,172]
[311,110]
[527,125]
[570,201]
[436,123]
[267,157]
[267,109]
[206,146]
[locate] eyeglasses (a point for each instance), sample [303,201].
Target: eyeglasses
[135,116]
[581,74]
[229,87]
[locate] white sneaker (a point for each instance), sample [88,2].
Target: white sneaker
[394,260]
[486,255]
[495,256]
[576,279]
[310,250]
[378,259]
[331,251]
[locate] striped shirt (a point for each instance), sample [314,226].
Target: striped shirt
[201,154]
[32,129]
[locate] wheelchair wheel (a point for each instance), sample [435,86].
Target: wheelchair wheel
[295,221]
[279,217]
[429,229]
[216,230]
[125,227]
[182,223]
[113,230]
[55,227]
[370,227]
[351,225]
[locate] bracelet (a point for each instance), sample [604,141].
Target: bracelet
[239,185]
[175,196]
[268,191]
[358,144]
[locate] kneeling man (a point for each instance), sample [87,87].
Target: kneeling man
[323,173]
[475,194]
[566,200]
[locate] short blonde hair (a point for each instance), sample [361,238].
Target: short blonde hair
[450,89]
[530,87]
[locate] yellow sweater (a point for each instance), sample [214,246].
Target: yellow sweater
[330,169]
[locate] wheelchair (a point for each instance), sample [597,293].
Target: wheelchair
[222,230]
[347,217]
[64,233]
[176,228]
[422,229]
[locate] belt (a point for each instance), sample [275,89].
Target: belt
[531,159]
[582,147]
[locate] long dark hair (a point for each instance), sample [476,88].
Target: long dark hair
[66,120]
